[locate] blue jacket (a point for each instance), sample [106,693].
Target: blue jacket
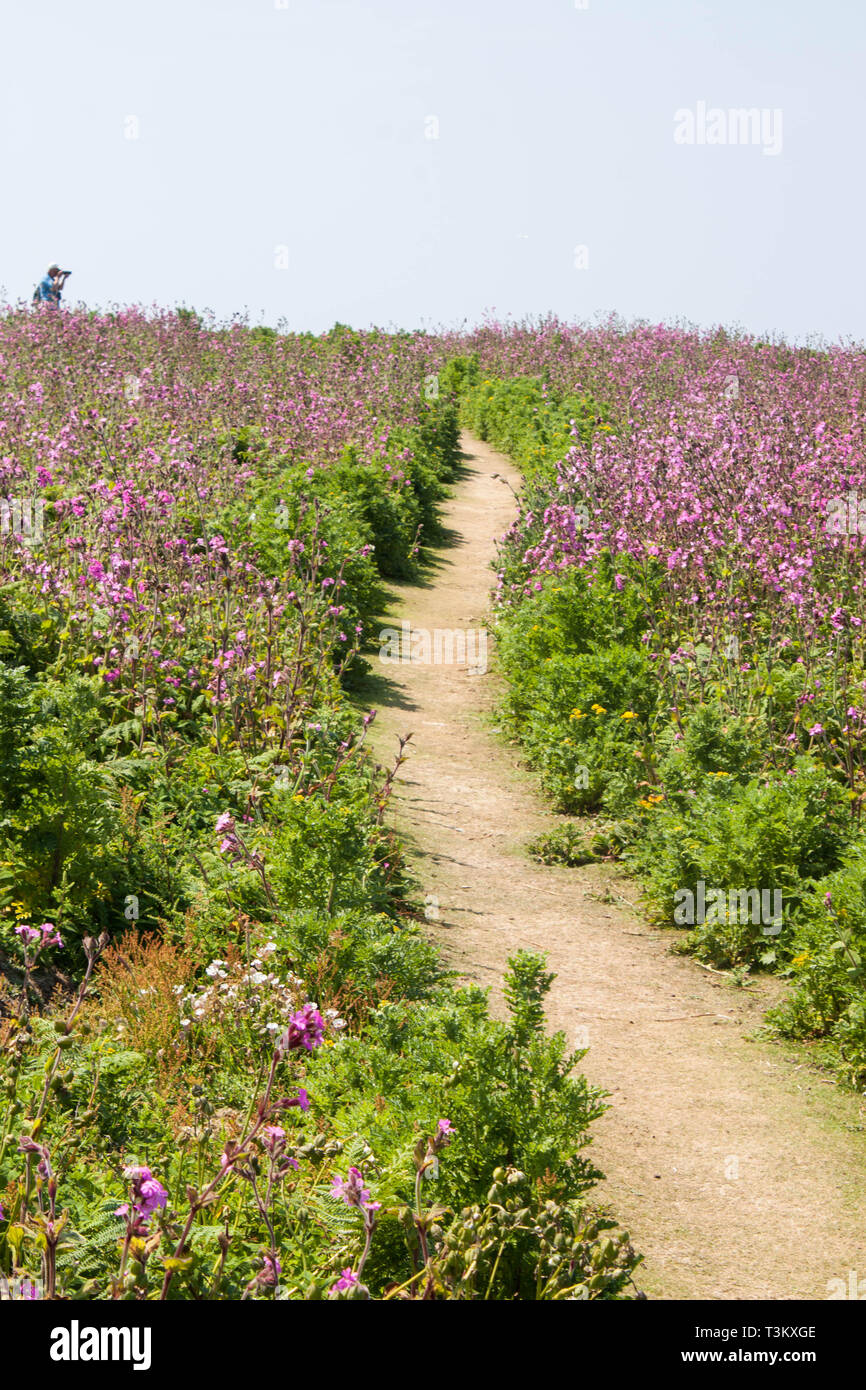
[48,294]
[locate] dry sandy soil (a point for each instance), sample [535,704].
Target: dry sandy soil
[737,1168]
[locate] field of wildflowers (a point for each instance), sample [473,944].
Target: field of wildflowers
[232,1066]
[680,612]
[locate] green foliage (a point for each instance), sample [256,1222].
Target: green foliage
[27,638]
[508,1089]
[188,318]
[358,955]
[827,1005]
[580,696]
[459,374]
[525,985]
[69,853]
[509,1216]
[518,1244]
[328,855]
[566,844]
[758,834]
[535,422]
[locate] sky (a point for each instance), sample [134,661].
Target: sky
[424,165]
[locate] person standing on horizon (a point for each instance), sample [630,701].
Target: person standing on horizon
[49,289]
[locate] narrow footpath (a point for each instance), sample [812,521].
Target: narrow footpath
[739,1171]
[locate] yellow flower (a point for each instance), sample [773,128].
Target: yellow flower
[598,709]
[802,958]
[577,714]
[629,714]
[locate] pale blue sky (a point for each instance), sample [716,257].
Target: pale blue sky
[306,127]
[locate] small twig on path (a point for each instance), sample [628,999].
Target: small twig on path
[614,894]
[678,1018]
[728,974]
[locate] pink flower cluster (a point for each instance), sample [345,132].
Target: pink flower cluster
[353,1192]
[306,1029]
[148,1196]
[41,937]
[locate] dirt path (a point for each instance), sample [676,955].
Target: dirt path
[739,1172]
